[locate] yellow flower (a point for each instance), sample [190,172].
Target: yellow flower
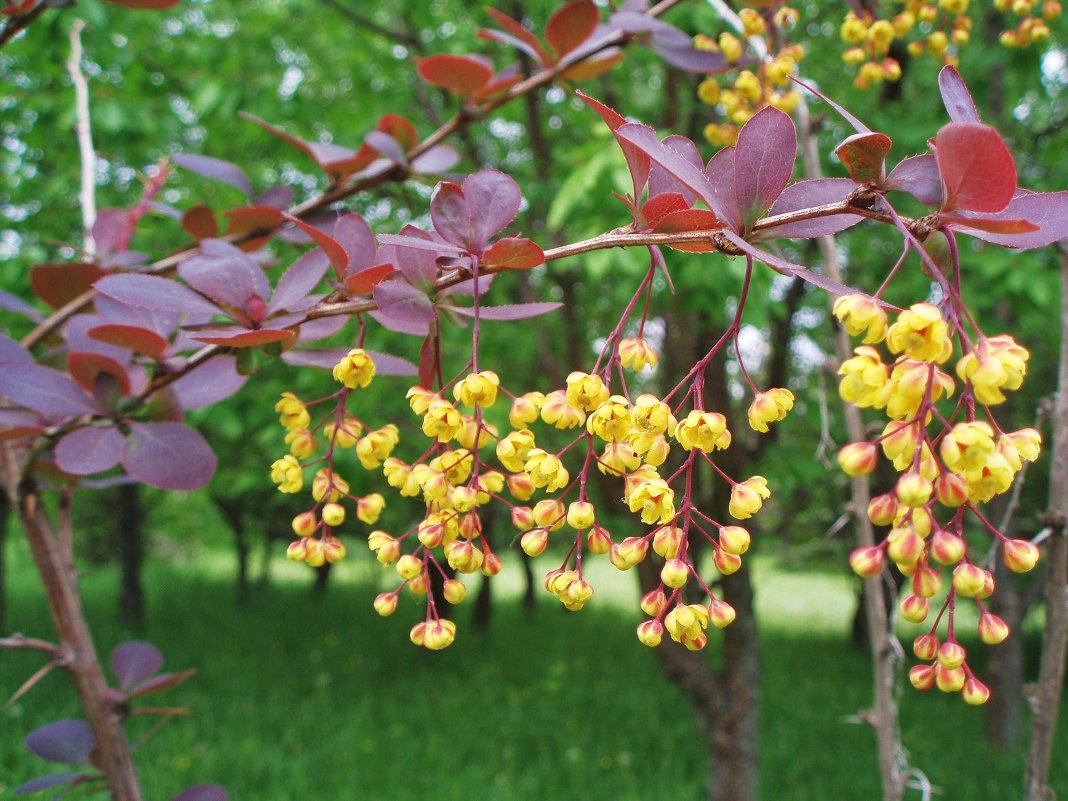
[748,496]
[545,470]
[618,458]
[921,334]
[301,442]
[329,483]
[441,421]
[456,465]
[419,399]
[1020,446]
[637,353]
[292,412]
[477,389]
[967,448]
[585,391]
[996,364]
[345,434]
[612,420]
[399,476]
[468,428]
[654,499]
[558,411]
[369,508]
[706,431]
[912,381]
[356,369]
[653,416]
[580,515]
[769,407]
[373,448]
[860,314]
[854,30]
[525,409]
[512,450]
[287,474]
[865,379]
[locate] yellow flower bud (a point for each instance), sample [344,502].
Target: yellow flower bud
[580,515]
[287,474]
[748,496]
[292,412]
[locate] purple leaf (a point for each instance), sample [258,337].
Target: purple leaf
[216,169]
[354,235]
[113,311]
[1047,210]
[410,241]
[858,126]
[511,311]
[326,359]
[9,302]
[956,97]
[155,293]
[917,175]
[494,199]
[788,268]
[66,741]
[89,450]
[156,684]
[44,390]
[168,456]
[12,352]
[674,162]
[111,231]
[299,280]
[806,195]
[402,301]
[720,174]
[202,792]
[436,160]
[321,328]
[660,181]
[763,161]
[400,326]
[452,216]
[224,273]
[689,58]
[387,146]
[133,662]
[46,782]
[281,197]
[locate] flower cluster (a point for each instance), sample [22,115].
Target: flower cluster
[948,464]
[750,89]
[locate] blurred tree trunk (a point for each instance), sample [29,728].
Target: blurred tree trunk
[5,508]
[130,541]
[234,512]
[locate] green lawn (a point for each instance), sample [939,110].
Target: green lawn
[301,697]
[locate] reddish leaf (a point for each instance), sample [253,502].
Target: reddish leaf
[400,128]
[58,284]
[977,169]
[154,292]
[339,259]
[157,684]
[133,662]
[200,222]
[246,219]
[44,390]
[807,195]
[242,338]
[216,169]
[511,311]
[494,200]
[690,220]
[387,146]
[570,26]
[66,741]
[989,225]
[462,75]
[86,368]
[522,36]
[917,175]
[956,97]
[644,138]
[662,204]
[225,274]
[497,84]
[428,359]
[720,175]
[513,253]
[354,234]
[89,450]
[167,456]
[763,161]
[139,340]
[864,155]
[436,160]
[364,281]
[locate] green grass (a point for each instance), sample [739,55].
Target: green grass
[301,697]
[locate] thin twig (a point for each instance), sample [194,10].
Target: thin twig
[20,22]
[18,641]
